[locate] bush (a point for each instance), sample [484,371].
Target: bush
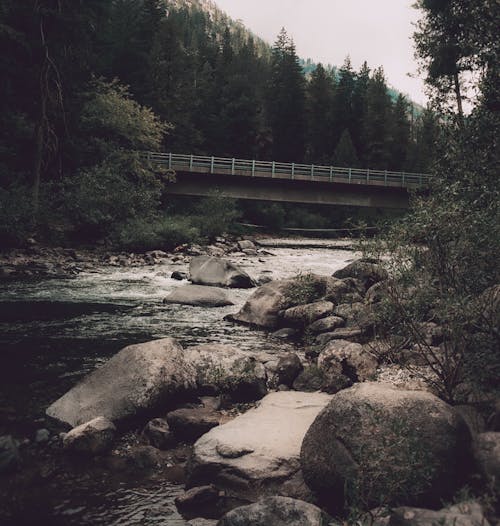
[108,194]
[161,233]
[215,215]
[16,216]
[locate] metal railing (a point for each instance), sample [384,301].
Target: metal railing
[292,171]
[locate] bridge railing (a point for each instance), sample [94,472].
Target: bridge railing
[293,171]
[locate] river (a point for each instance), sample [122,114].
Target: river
[53,332]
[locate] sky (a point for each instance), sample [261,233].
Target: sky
[378,31]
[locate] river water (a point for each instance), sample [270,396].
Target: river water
[53,332]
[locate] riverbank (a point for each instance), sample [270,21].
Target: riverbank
[58,330]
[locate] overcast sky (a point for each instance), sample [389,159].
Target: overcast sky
[378,31]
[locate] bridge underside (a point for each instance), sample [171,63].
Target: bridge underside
[289,191]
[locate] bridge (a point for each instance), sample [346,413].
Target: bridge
[289,182]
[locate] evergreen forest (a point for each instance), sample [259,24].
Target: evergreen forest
[87,85]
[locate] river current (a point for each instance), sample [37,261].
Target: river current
[53,332]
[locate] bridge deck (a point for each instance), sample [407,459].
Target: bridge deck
[291,171]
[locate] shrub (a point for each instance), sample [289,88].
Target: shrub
[163,233]
[16,216]
[215,215]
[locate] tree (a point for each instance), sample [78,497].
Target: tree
[400,134]
[345,152]
[320,94]
[377,122]
[359,109]
[445,254]
[342,104]
[286,101]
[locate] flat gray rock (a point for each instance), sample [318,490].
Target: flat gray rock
[199,296]
[258,453]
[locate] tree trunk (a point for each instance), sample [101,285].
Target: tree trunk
[458,95]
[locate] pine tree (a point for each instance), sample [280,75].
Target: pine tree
[320,94]
[345,152]
[286,101]
[359,109]
[377,122]
[400,134]
[343,101]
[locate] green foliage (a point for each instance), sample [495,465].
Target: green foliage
[113,120]
[16,216]
[109,193]
[156,233]
[215,215]
[305,288]
[444,256]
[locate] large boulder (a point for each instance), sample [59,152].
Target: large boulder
[199,296]
[276,511]
[366,271]
[264,306]
[133,382]
[206,270]
[226,369]
[92,438]
[257,453]
[378,445]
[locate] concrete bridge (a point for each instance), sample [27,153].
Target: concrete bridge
[288,182]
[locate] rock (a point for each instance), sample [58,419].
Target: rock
[303,315]
[328,324]
[356,315]
[276,511]
[199,296]
[42,436]
[206,270]
[431,332]
[143,458]
[285,333]
[189,424]
[385,446]
[356,362]
[494,418]
[202,522]
[347,290]
[246,244]
[288,368]
[472,418]
[338,334]
[487,455]
[9,454]
[133,382]
[202,501]
[159,434]
[178,275]
[257,453]
[377,292]
[264,305]
[156,254]
[367,272]
[263,279]
[310,379]
[225,369]
[92,438]
[464,514]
